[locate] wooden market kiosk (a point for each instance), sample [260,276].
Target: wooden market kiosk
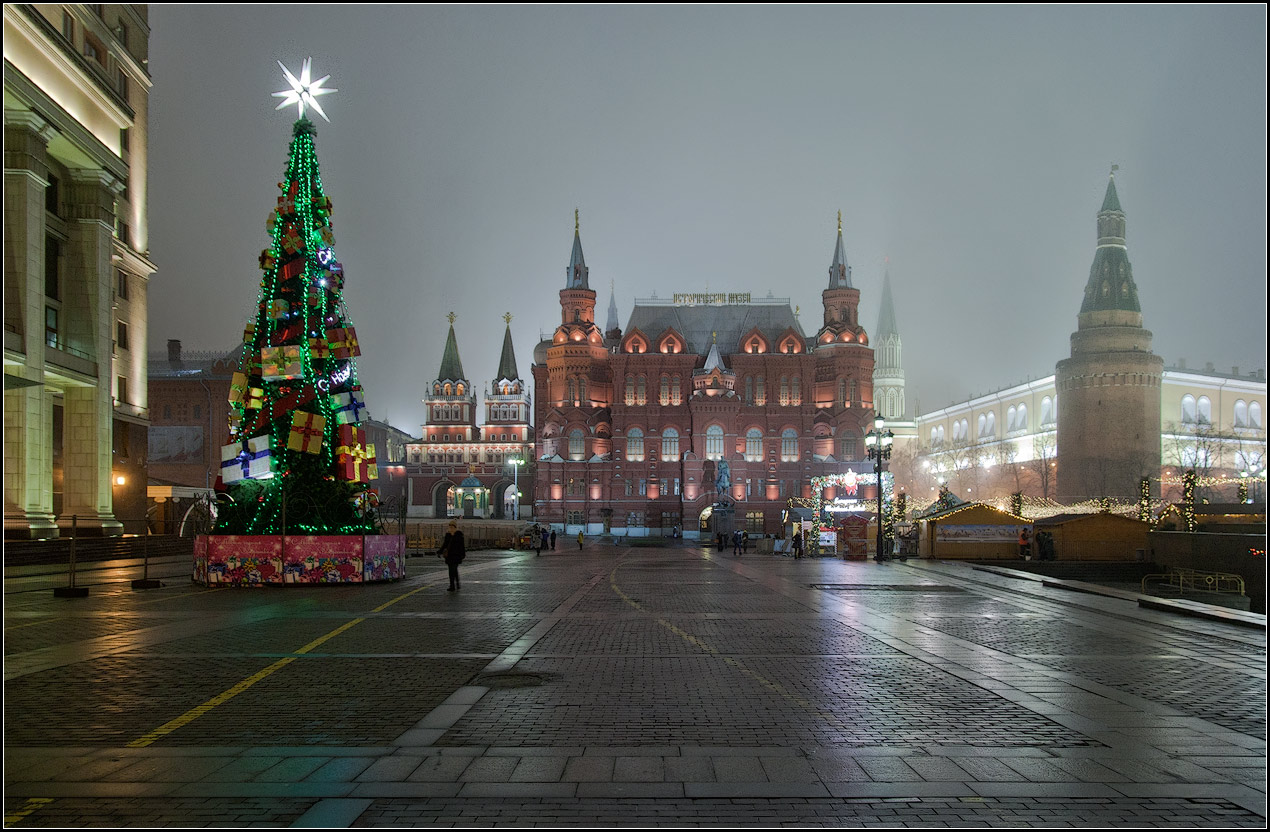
[970,531]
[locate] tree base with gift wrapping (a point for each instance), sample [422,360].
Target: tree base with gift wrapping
[299,468]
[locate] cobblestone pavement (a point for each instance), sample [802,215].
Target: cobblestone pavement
[628,686]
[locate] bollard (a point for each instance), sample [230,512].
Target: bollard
[70,590]
[145,581]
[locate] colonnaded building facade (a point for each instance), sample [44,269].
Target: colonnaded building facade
[706,413]
[1111,414]
[76,268]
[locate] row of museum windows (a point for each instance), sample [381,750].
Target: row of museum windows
[635,449]
[1200,412]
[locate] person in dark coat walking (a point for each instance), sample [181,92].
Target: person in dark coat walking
[453,553]
[553,540]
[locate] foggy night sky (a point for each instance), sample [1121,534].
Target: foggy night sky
[711,149]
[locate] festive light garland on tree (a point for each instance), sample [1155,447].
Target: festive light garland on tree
[1144,501]
[1016,503]
[299,462]
[1188,500]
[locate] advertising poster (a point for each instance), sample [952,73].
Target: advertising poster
[947,533]
[385,557]
[322,560]
[244,560]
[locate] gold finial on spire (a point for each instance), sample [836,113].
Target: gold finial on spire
[451,316]
[1114,168]
[576,223]
[714,337]
[797,309]
[507,318]
[839,222]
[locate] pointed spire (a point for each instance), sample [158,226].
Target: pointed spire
[612,323]
[451,365]
[839,270]
[714,360]
[1111,285]
[507,362]
[1111,202]
[886,317]
[576,274]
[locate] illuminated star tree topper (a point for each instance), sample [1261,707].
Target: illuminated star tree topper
[303,92]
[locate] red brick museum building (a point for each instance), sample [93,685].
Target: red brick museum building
[706,413]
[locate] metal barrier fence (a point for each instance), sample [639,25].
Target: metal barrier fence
[425,537]
[1182,581]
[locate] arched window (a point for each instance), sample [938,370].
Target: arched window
[760,391]
[1010,416]
[1254,414]
[635,445]
[1204,408]
[641,393]
[670,445]
[459,389]
[940,438]
[992,423]
[846,448]
[573,391]
[1021,423]
[448,389]
[789,445]
[784,400]
[582,389]
[934,436]
[577,445]
[663,396]
[714,442]
[754,445]
[1047,411]
[795,393]
[630,389]
[676,390]
[983,424]
[1241,413]
[749,389]
[842,391]
[1188,410]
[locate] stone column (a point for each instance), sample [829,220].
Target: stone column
[28,419]
[86,306]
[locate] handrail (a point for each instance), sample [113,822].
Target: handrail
[1194,580]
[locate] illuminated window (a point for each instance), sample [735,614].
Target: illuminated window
[714,442]
[635,445]
[582,389]
[749,390]
[1204,407]
[670,445]
[676,390]
[795,392]
[1254,414]
[784,399]
[760,392]
[754,445]
[846,448]
[789,445]
[1188,410]
[1241,413]
[640,392]
[577,445]
[630,389]
[663,397]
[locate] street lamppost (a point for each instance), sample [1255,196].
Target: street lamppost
[516,463]
[878,441]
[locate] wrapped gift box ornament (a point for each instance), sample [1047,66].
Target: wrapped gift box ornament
[279,309]
[343,342]
[318,348]
[241,392]
[306,432]
[349,406]
[292,242]
[356,458]
[267,260]
[252,459]
[279,363]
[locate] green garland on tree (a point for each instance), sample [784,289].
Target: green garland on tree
[299,462]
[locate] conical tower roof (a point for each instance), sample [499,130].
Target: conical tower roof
[576,274]
[507,361]
[451,364]
[1111,285]
[612,322]
[886,317]
[839,270]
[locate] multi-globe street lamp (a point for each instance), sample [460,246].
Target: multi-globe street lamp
[878,441]
[516,463]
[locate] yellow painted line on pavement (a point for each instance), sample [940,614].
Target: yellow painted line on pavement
[223,697]
[775,687]
[32,805]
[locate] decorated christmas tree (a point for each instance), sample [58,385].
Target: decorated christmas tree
[299,462]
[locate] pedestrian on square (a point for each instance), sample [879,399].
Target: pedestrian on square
[453,553]
[543,538]
[538,539]
[798,544]
[736,543]
[553,540]
[745,542]
[579,539]
[1025,545]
